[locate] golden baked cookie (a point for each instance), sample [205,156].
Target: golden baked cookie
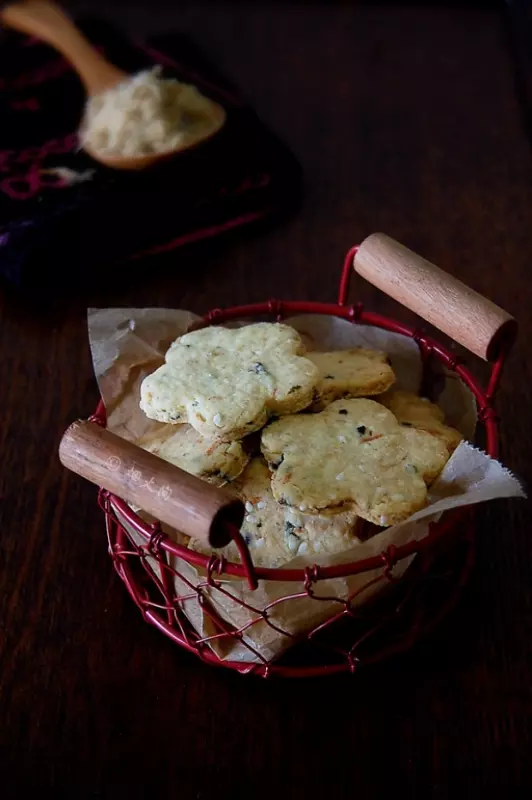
[420,413]
[276,534]
[355,451]
[358,372]
[226,383]
[211,459]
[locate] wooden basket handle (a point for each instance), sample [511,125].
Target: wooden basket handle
[171,495]
[436,296]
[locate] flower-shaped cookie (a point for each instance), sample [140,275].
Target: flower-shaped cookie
[227,383]
[355,452]
[418,412]
[276,534]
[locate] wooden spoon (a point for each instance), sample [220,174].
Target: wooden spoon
[47,22]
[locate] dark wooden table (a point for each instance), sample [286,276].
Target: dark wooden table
[406,121]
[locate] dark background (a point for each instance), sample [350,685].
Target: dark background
[407,120]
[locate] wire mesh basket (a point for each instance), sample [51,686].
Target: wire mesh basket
[399,594]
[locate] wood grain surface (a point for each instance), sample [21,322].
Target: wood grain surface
[406,121]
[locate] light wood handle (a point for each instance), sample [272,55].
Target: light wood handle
[434,295]
[171,495]
[48,22]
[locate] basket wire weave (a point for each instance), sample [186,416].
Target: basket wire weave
[357,634]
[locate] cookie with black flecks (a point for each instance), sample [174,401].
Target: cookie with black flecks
[276,534]
[355,451]
[227,383]
[358,372]
[419,412]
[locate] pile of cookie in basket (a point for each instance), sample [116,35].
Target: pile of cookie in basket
[312,442]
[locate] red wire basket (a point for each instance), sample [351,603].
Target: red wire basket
[404,603]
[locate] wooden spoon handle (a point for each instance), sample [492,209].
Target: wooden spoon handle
[442,300]
[47,22]
[171,495]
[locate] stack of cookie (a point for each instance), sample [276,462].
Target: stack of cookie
[296,436]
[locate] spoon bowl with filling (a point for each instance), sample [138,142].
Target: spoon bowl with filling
[131,134]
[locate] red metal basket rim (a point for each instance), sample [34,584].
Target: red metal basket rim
[354,314]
